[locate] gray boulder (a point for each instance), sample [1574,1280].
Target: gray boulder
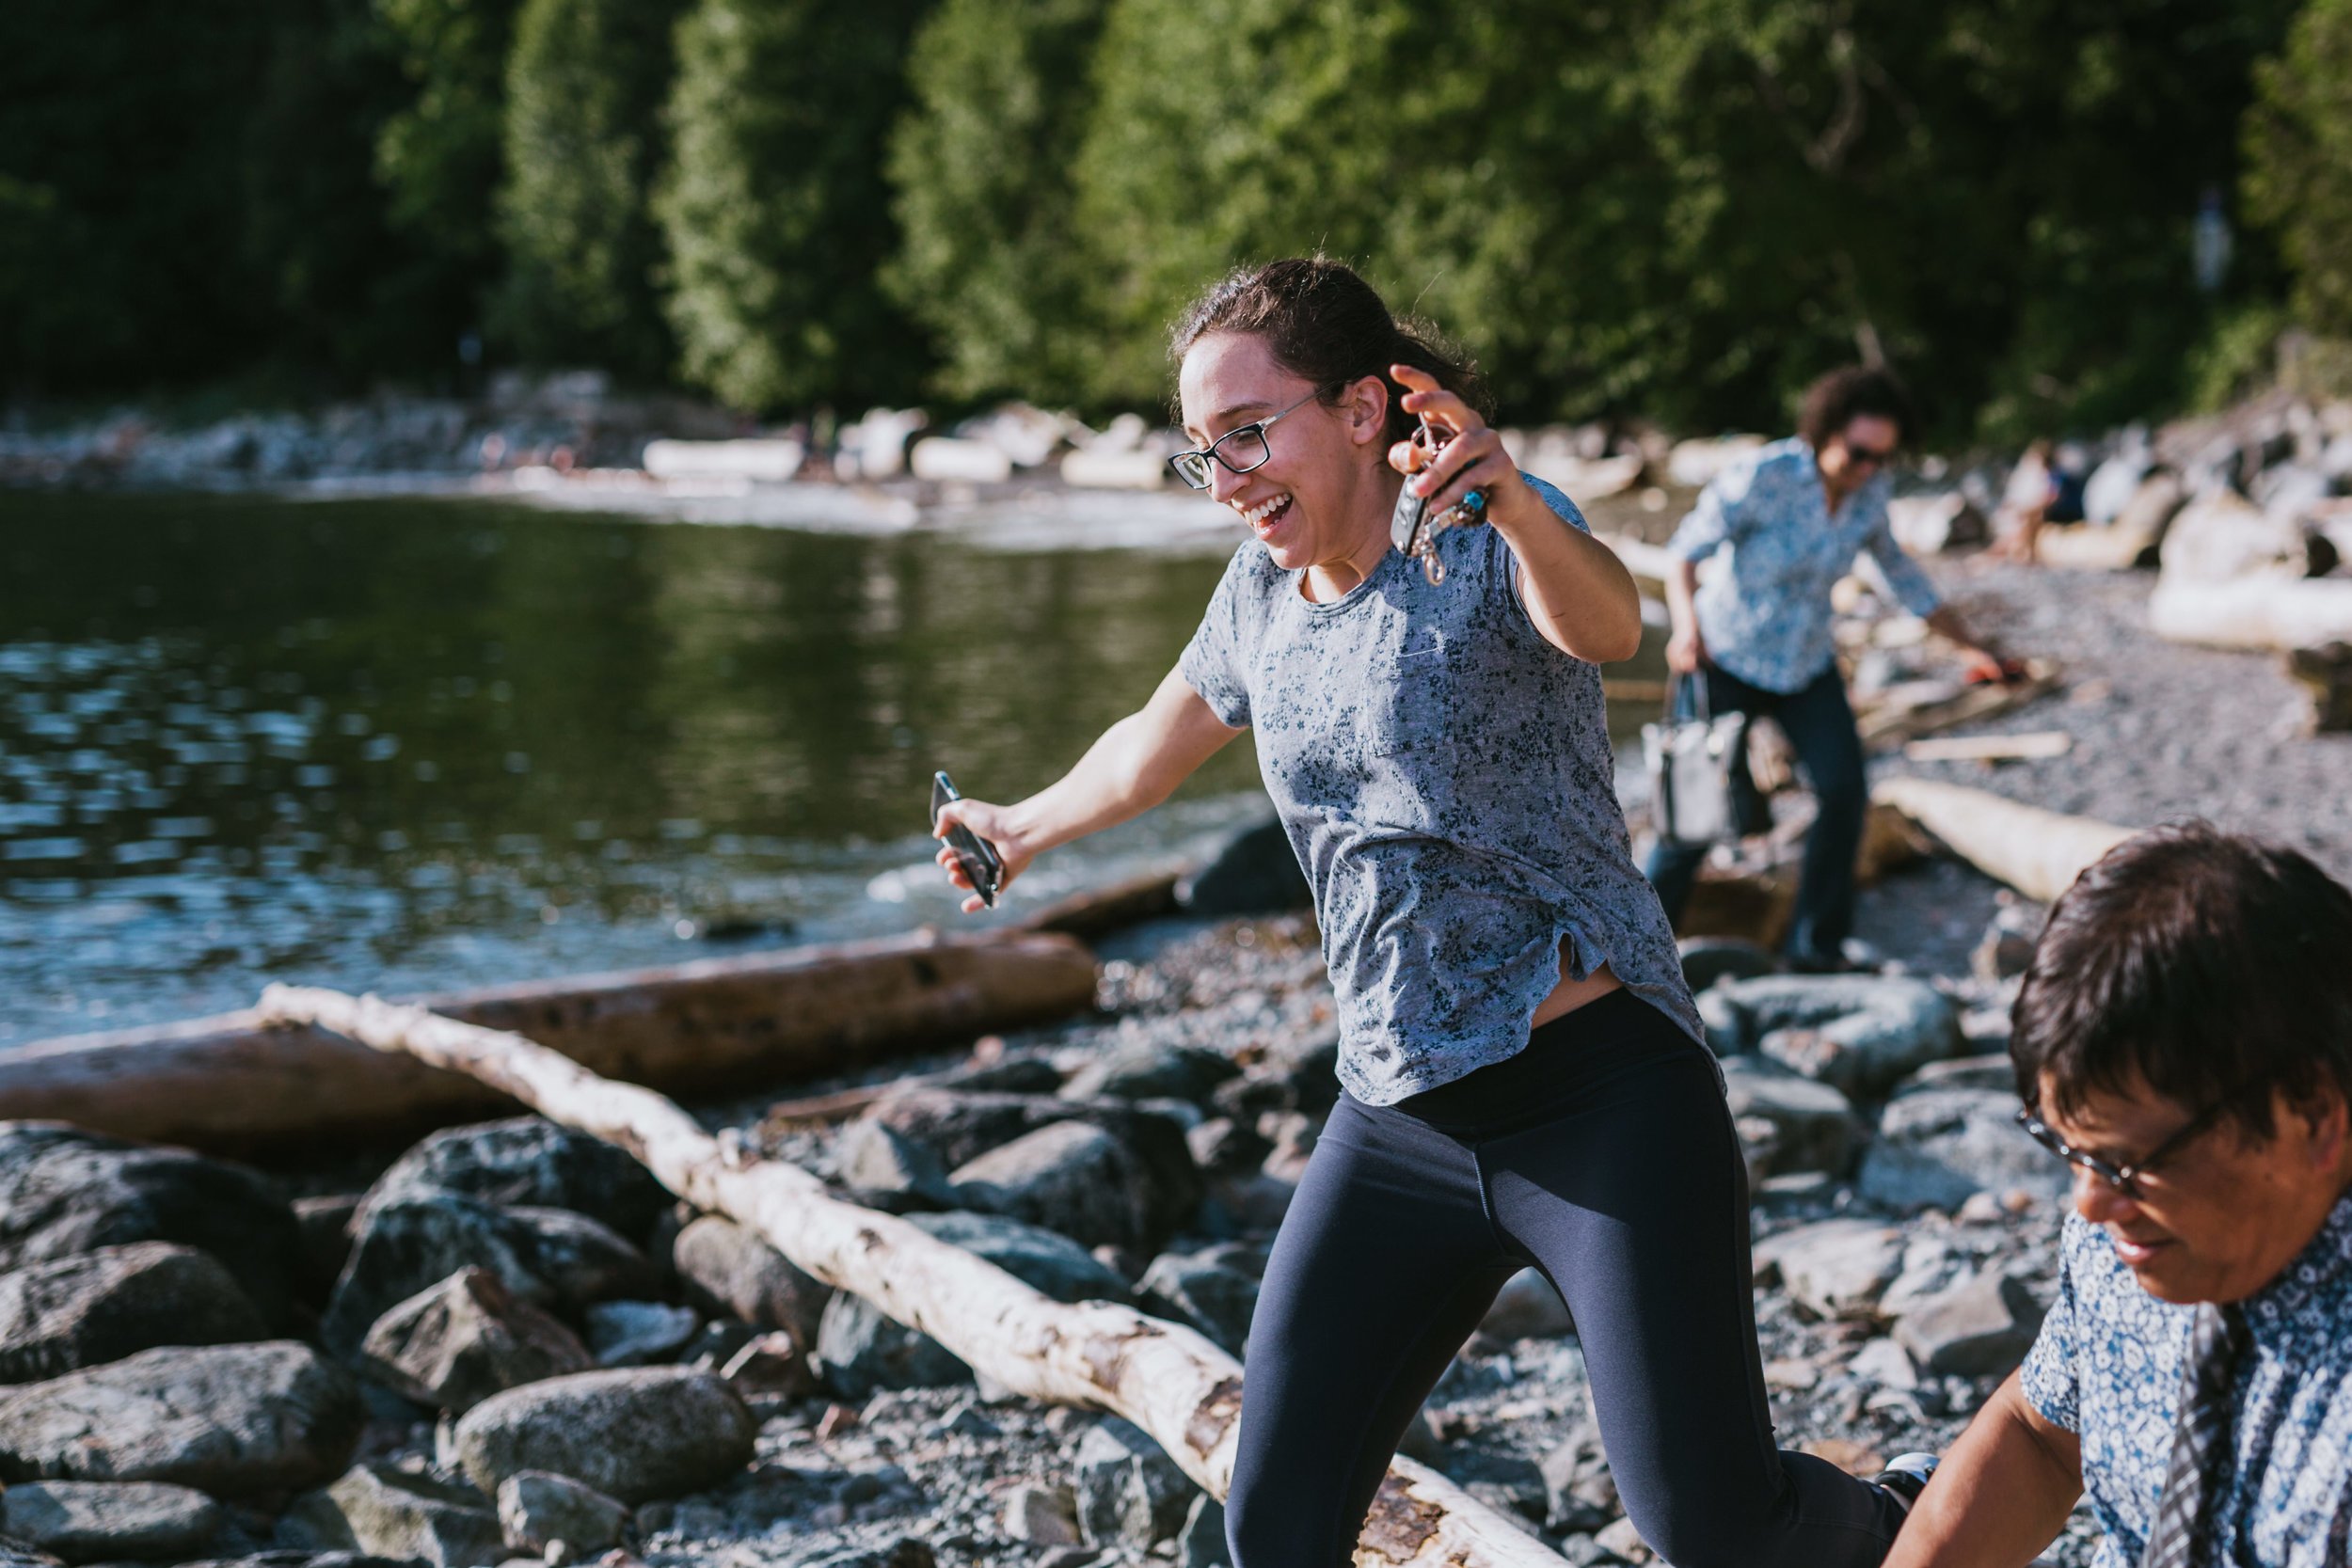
[101,1305]
[396,1513]
[1834,1268]
[224,1419]
[1212,1297]
[1256,873]
[1709,960]
[1201,1543]
[859,1352]
[959,1126]
[535,1163]
[635,1433]
[1981,1327]
[327,1226]
[455,1344]
[1526,1308]
[412,1238]
[1069,1177]
[1814,1126]
[1147,1069]
[1862,1034]
[1936,1146]
[91,1521]
[1130,1492]
[537,1509]
[64,1192]
[879,1162]
[633,1333]
[727,1268]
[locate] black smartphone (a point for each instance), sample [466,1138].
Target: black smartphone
[976,855]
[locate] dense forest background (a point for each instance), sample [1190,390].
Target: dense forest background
[1679,209]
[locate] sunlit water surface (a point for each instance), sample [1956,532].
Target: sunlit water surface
[409,745]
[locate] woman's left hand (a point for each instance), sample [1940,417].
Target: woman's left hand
[1472,458]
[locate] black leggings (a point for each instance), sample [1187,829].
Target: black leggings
[1604,1155]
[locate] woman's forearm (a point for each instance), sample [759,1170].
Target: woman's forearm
[1131,767]
[1578,592]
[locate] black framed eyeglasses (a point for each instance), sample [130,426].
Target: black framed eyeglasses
[1240,449]
[2125,1178]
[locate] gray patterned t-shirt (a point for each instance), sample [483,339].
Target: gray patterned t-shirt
[1445,777]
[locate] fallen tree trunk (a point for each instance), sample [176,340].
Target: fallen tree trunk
[1163,1377]
[2038,852]
[2278,613]
[228,1083]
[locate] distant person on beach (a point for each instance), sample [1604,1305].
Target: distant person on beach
[1787,522]
[2046,487]
[2183,1039]
[1523,1073]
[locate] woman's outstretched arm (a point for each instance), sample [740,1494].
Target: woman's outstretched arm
[1136,764]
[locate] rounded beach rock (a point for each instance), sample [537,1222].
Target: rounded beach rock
[635,1433]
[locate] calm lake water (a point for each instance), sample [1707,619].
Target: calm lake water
[405,744]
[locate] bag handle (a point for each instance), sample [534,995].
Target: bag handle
[1703,707]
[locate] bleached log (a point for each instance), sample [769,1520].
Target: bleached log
[1163,1377]
[2038,852]
[228,1083]
[2280,613]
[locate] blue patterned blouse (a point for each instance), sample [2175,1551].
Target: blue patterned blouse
[2108,1368]
[1445,777]
[1764,610]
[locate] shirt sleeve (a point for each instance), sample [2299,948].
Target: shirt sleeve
[1905,579]
[2048,1379]
[1212,662]
[1723,515]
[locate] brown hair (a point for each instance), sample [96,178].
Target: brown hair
[1326,326]
[1835,401]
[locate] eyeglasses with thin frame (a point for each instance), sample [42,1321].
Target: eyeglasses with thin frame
[1249,449]
[2125,1178]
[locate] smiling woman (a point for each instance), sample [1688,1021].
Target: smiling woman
[1517,1042]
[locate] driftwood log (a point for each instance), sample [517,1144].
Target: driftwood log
[1163,1377]
[2038,852]
[2277,613]
[228,1083]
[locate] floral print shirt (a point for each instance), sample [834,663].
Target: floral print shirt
[1764,608]
[1445,778]
[2108,1368]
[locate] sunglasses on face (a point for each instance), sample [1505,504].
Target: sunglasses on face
[1874,457]
[2124,1178]
[1239,450]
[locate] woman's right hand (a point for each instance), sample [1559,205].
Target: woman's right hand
[1686,650]
[993,823]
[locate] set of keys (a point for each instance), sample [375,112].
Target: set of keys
[1412,529]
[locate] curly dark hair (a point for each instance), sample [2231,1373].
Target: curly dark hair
[1328,326]
[2210,966]
[1838,398]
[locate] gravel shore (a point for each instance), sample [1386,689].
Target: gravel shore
[1904,1239]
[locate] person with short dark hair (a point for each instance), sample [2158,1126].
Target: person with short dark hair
[1523,1073]
[1752,635]
[2184,1038]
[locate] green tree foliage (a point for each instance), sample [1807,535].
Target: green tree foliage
[990,261]
[440,156]
[1688,207]
[121,217]
[583,143]
[2298,146]
[776,211]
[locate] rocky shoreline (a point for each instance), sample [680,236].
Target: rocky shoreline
[510,1346]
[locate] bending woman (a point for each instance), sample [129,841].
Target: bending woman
[1523,1073]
